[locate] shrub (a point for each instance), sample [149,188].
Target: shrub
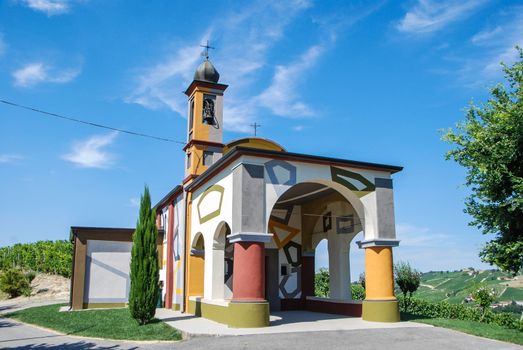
[321,283]
[30,276]
[14,283]
[358,292]
[443,309]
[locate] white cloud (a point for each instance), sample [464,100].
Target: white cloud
[486,35]
[495,45]
[245,36]
[38,72]
[415,236]
[280,96]
[157,86]
[51,7]
[90,153]
[134,202]
[9,158]
[428,16]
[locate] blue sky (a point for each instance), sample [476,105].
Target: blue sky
[362,80]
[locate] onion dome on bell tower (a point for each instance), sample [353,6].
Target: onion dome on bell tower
[207,72]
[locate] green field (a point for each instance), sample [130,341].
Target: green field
[455,286]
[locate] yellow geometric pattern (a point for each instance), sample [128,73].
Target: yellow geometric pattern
[281,242]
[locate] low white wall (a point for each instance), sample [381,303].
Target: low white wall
[107,272]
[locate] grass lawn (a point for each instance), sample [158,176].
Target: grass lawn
[471,327]
[110,324]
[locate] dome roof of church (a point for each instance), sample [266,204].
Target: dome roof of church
[253,142]
[207,72]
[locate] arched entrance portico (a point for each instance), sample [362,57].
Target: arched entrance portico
[309,212]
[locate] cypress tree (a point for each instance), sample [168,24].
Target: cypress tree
[144,291]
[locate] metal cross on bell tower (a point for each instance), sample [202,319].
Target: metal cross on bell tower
[205,52]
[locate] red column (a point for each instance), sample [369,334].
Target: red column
[169,272]
[248,281]
[307,276]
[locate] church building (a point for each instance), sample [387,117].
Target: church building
[239,233]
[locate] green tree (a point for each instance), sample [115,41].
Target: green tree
[144,291]
[489,144]
[358,292]
[483,297]
[321,283]
[407,279]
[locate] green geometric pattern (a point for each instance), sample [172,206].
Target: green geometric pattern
[339,175]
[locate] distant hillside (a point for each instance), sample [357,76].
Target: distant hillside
[455,286]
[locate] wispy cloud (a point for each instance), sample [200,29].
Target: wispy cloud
[245,36]
[427,249]
[415,236]
[427,16]
[50,7]
[492,45]
[486,35]
[91,153]
[280,96]
[38,72]
[134,202]
[155,85]
[10,158]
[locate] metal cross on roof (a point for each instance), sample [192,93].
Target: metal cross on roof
[255,126]
[205,52]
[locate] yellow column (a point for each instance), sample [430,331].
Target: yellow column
[380,304]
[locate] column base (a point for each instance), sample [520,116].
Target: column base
[381,311]
[249,314]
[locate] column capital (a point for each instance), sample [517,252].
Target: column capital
[250,237]
[380,242]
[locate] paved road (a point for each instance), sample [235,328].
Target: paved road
[20,336]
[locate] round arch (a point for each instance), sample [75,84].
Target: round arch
[221,263]
[326,210]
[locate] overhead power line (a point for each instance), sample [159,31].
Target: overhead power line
[158,138]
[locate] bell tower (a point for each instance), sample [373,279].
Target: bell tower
[205,119]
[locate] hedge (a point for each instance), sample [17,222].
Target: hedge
[443,309]
[43,256]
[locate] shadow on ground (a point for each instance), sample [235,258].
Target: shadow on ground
[66,346]
[294,317]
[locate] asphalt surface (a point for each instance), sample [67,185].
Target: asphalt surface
[14,335]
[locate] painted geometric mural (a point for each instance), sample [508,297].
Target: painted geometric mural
[345,224]
[282,233]
[281,172]
[210,203]
[353,181]
[287,238]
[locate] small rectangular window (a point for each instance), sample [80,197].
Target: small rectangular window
[191,113]
[188,160]
[207,158]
